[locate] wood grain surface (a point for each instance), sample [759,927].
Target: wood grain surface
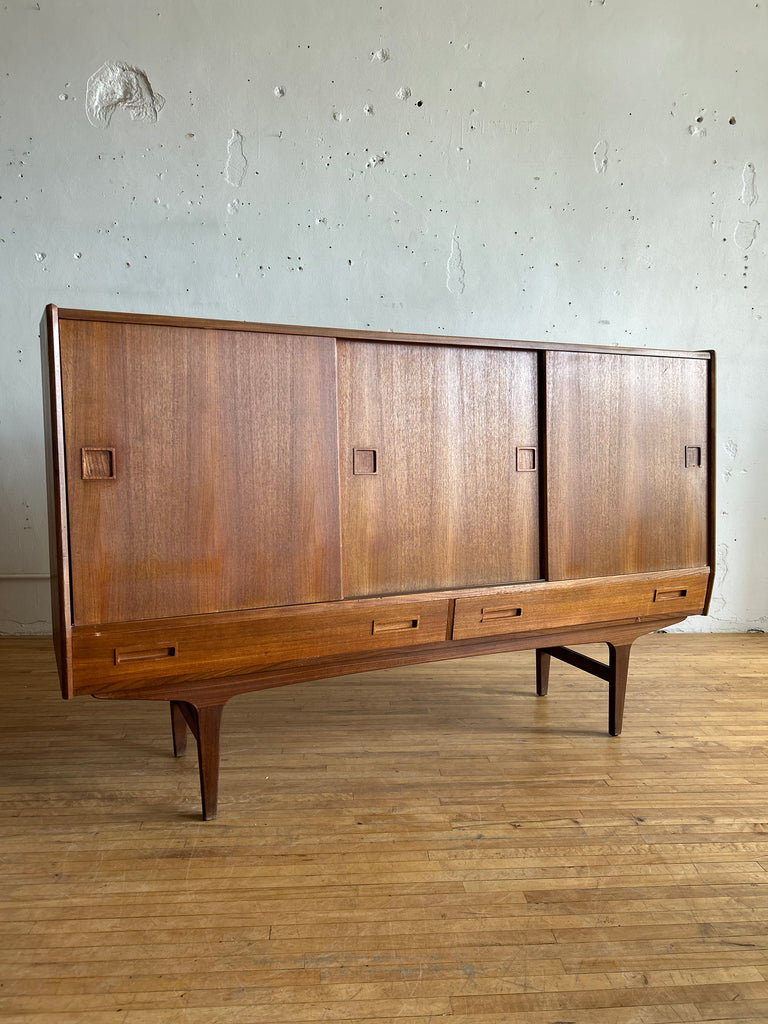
[620,497]
[447,506]
[225,493]
[416,845]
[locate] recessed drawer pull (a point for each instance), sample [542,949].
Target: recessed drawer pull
[394,625]
[97,463]
[669,595]
[487,614]
[525,460]
[124,655]
[365,461]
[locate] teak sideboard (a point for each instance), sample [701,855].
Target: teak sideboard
[235,506]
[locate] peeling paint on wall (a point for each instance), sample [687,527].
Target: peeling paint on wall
[731,449]
[117,84]
[600,156]
[745,233]
[237,164]
[454,275]
[749,188]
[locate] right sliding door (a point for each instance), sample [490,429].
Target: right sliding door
[626,445]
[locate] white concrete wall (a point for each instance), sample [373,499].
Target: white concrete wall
[574,170]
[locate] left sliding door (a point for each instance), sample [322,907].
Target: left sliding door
[201,469]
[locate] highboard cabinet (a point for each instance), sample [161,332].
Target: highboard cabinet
[236,506]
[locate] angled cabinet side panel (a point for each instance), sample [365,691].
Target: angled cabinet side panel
[201,467]
[712,470]
[627,463]
[56,487]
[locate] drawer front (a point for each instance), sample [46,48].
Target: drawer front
[539,606]
[209,646]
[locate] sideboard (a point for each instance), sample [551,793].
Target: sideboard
[235,506]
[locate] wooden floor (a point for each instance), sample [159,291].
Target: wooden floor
[424,844]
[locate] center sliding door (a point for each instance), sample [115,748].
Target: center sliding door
[439,467]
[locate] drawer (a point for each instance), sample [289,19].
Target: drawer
[539,606]
[232,643]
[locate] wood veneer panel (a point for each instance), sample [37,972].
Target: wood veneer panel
[566,603]
[200,646]
[620,497]
[224,488]
[446,501]
[332,332]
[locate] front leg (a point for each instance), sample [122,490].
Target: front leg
[205,725]
[543,660]
[618,665]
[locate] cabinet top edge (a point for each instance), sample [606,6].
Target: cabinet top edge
[162,320]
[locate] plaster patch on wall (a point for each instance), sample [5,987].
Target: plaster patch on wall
[718,601]
[117,84]
[454,271]
[237,165]
[745,233]
[381,55]
[696,128]
[749,186]
[403,93]
[600,156]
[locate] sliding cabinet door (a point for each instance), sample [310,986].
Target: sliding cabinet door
[439,467]
[627,486]
[201,469]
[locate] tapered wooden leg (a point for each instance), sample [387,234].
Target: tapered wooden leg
[617,686]
[614,673]
[179,729]
[205,725]
[543,660]
[208,752]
